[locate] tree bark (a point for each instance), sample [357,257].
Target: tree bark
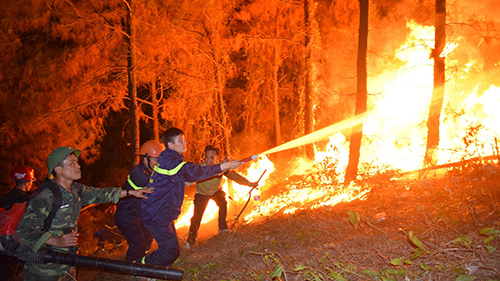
[226,129]
[155,111]
[361,95]
[308,101]
[433,121]
[132,89]
[277,122]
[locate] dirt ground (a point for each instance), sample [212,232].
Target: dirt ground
[436,225]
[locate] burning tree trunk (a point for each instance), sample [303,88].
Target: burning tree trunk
[308,103]
[438,92]
[361,97]
[132,90]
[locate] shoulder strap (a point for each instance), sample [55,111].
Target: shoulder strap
[56,202]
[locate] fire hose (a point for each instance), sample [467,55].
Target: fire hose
[46,255]
[249,197]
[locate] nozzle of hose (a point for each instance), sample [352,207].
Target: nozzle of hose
[253,157]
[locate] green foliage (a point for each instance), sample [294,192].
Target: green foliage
[385,274]
[425,267]
[354,218]
[393,272]
[372,274]
[323,259]
[416,253]
[204,268]
[490,248]
[276,272]
[313,275]
[335,275]
[400,261]
[416,242]
[277,269]
[463,240]
[256,276]
[300,267]
[491,234]
[490,231]
[463,277]
[396,261]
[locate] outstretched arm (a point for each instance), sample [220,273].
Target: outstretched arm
[233,164]
[139,193]
[240,179]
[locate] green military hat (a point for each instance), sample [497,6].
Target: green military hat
[58,154]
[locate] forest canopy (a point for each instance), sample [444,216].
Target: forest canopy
[229,73]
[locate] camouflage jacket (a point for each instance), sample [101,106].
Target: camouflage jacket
[30,229]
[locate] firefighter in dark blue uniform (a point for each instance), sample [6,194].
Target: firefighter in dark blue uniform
[163,206]
[127,216]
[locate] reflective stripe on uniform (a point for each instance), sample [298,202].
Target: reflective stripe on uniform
[132,184]
[168,172]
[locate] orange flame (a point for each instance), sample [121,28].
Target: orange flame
[239,193]
[394,133]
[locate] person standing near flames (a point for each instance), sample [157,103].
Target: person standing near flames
[128,210]
[62,233]
[23,177]
[14,202]
[163,207]
[211,189]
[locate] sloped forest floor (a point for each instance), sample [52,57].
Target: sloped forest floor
[439,225]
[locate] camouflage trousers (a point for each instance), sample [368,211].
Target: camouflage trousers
[69,276]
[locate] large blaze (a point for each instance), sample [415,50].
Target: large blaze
[394,135]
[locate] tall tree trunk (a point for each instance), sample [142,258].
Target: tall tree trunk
[277,122]
[433,122]
[361,95]
[155,111]
[308,101]
[132,90]
[226,129]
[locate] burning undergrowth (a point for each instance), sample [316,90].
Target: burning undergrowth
[317,188]
[398,220]
[440,224]
[438,227]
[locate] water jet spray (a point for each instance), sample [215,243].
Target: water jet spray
[320,134]
[314,136]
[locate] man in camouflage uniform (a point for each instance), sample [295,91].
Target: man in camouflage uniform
[62,234]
